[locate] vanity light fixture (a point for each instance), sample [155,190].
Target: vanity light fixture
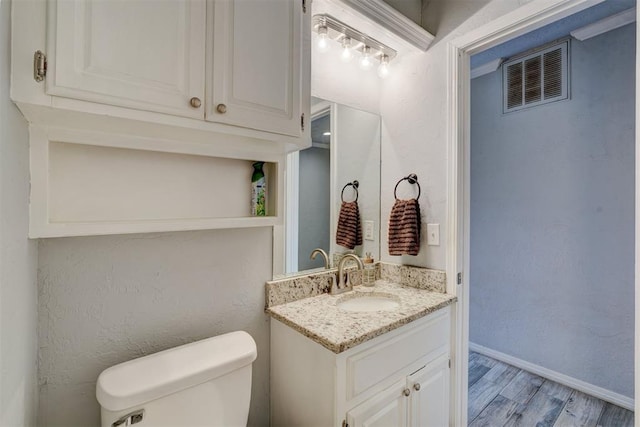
[352,41]
[323,38]
[347,52]
[366,61]
[383,68]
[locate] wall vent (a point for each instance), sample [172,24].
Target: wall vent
[536,79]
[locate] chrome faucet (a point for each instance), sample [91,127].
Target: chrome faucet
[343,284]
[317,251]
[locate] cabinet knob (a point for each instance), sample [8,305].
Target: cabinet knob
[221,108]
[416,386]
[406,392]
[195,102]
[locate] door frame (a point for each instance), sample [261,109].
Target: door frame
[526,18]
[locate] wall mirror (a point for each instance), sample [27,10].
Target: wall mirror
[346,148]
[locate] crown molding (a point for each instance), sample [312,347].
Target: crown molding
[487,68]
[605,25]
[386,16]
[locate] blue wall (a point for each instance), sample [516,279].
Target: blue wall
[552,219]
[314,206]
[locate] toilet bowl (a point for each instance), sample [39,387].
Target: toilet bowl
[204,383]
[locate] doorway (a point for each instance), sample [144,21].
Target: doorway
[525,19]
[551,209]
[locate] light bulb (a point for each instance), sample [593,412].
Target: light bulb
[366,63]
[383,68]
[347,52]
[323,39]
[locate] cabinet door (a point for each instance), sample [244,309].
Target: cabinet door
[140,54]
[429,405]
[385,409]
[254,64]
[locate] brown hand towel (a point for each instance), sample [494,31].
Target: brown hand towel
[404,228]
[349,233]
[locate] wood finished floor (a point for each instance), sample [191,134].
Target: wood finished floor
[502,395]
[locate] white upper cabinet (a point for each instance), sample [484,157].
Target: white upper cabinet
[141,54]
[217,69]
[254,55]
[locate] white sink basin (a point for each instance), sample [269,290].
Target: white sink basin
[368,302]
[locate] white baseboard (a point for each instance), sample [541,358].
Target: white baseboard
[590,389]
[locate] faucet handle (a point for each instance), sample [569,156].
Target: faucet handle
[345,279]
[333,285]
[354,277]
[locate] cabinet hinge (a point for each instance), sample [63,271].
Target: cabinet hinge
[344,423]
[460,278]
[302,121]
[39,66]
[304,6]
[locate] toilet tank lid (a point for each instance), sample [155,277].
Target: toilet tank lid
[154,376]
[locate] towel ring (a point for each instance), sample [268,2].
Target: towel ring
[413,179]
[355,184]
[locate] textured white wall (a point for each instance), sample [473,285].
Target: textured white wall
[108,299]
[344,83]
[413,107]
[552,219]
[18,256]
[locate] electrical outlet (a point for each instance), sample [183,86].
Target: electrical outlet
[433,234]
[368,230]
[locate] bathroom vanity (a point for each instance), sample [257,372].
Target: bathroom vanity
[332,365]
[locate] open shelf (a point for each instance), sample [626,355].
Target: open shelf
[85,184]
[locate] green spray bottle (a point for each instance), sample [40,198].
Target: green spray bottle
[258,191]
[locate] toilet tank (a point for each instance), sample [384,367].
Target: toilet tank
[205,383]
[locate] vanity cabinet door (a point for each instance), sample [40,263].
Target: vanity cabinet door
[387,408]
[429,404]
[141,54]
[254,64]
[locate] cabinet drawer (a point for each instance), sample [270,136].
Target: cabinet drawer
[369,367]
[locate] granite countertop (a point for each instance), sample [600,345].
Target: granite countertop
[338,330]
